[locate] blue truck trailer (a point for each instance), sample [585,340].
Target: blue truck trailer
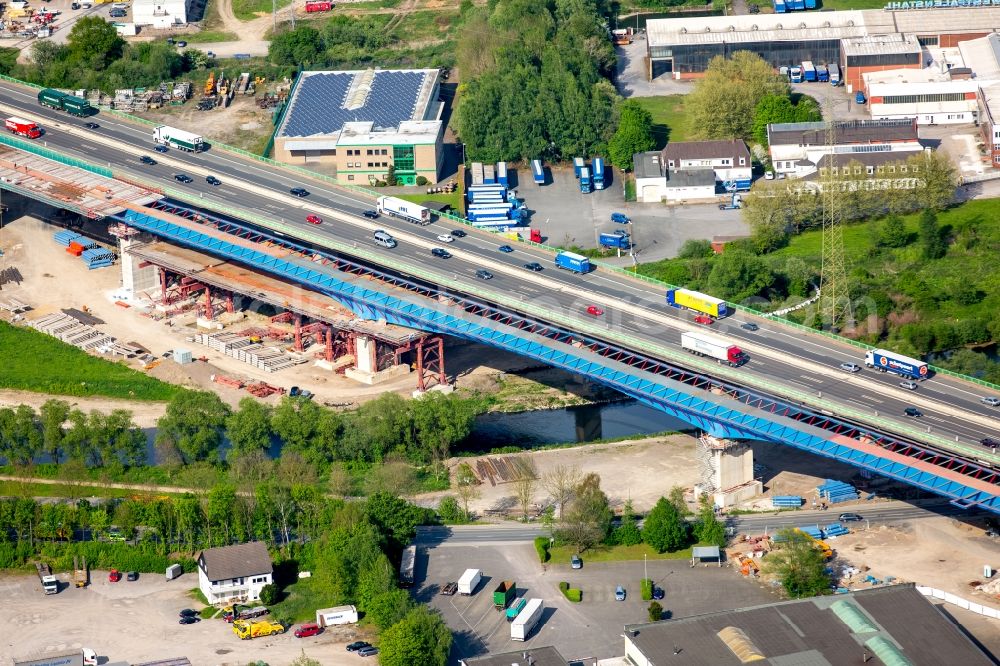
[808,71]
[822,74]
[573,262]
[578,165]
[884,360]
[834,73]
[598,173]
[537,172]
[621,241]
[586,181]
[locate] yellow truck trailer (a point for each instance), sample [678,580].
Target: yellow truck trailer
[247,630]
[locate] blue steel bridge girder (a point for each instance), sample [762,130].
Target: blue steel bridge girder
[713,417]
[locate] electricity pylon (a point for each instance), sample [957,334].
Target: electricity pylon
[835,295]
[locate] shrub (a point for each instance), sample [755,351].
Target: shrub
[646,587]
[269,594]
[571,593]
[655,612]
[563,586]
[421,181]
[542,548]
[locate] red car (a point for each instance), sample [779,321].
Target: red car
[704,319]
[114,576]
[308,629]
[314,219]
[594,310]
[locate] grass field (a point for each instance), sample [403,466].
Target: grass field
[33,361]
[851,4]
[210,36]
[425,26]
[250,9]
[454,199]
[669,121]
[561,554]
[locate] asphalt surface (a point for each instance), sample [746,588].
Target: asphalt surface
[782,356]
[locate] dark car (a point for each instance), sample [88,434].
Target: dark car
[449,589]
[749,326]
[182,43]
[371,214]
[657,593]
[990,442]
[187,612]
[441,252]
[299,192]
[484,274]
[505,248]
[534,266]
[212,180]
[912,411]
[91,125]
[358,645]
[851,517]
[132,576]
[458,233]
[182,178]
[368,652]
[188,620]
[146,159]
[161,149]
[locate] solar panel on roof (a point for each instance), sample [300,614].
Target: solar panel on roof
[320,99]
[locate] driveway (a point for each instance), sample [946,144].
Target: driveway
[631,73]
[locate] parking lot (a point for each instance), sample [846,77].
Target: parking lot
[138,621]
[567,217]
[591,628]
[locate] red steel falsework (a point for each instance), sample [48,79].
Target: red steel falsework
[429,361]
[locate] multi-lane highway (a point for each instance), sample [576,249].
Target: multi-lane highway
[798,365]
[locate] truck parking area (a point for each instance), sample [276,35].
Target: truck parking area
[590,628]
[138,621]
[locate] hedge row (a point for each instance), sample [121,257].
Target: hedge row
[646,586]
[542,548]
[570,593]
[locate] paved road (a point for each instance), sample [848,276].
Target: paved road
[874,514]
[805,367]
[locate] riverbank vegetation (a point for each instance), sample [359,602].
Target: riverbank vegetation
[36,362]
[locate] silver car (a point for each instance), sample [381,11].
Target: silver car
[908,385]
[850,367]
[990,400]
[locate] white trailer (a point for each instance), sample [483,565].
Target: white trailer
[469,581]
[77,657]
[327,617]
[526,620]
[178,138]
[707,345]
[174,571]
[406,210]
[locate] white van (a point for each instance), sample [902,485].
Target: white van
[120,5]
[384,239]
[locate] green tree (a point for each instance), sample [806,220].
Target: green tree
[676,498]
[467,487]
[94,43]
[936,180]
[780,109]
[738,275]
[193,425]
[723,102]
[655,611]
[249,427]
[628,534]
[421,638]
[799,565]
[932,244]
[388,608]
[304,660]
[892,232]
[587,522]
[53,415]
[449,511]
[634,134]
[708,529]
[269,594]
[301,46]
[395,519]
[664,528]
[440,422]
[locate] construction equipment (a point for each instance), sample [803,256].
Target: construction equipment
[49,583]
[210,84]
[248,630]
[80,576]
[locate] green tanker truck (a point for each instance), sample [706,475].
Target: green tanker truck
[61,101]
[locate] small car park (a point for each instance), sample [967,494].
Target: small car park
[212,180]
[850,367]
[850,517]
[594,310]
[913,411]
[441,253]
[575,562]
[308,629]
[146,159]
[619,593]
[483,274]
[183,178]
[908,385]
[534,266]
[705,320]
[446,238]
[505,248]
[299,192]
[358,645]
[314,219]
[458,233]
[749,326]
[990,400]
[449,588]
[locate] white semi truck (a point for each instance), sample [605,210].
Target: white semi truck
[177,138]
[403,209]
[526,620]
[707,345]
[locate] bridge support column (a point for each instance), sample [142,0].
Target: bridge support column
[136,278]
[366,367]
[230,308]
[329,344]
[726,468]
[298,333]
[163,286]
[208,304]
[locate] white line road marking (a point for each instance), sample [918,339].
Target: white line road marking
[868,397]
[812,378]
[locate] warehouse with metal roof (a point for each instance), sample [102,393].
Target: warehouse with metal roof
[859,41]
[884,625]
[356,124]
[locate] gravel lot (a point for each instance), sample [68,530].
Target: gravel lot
[138,622]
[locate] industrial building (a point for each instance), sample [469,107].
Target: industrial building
[886,625]
[988,102]
[926,95]
[691,170]
[356,124]
[536,656]
[159,13]
[860,41]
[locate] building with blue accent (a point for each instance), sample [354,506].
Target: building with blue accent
[687,170]
[354,125]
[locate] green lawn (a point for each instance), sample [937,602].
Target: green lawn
[669,121]
[425,26]
[561,554]
[851,4]
[454,199]
[209,36]
[250,9]
[33,361]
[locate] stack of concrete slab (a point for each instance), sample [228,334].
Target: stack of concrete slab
[63,327]
[264,357]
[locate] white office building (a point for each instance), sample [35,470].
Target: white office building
[159,13]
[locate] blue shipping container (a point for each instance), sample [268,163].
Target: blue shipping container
[502,173]
[779,7]
[537,172]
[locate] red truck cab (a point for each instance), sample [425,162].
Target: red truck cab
[308,629]
[22,127]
